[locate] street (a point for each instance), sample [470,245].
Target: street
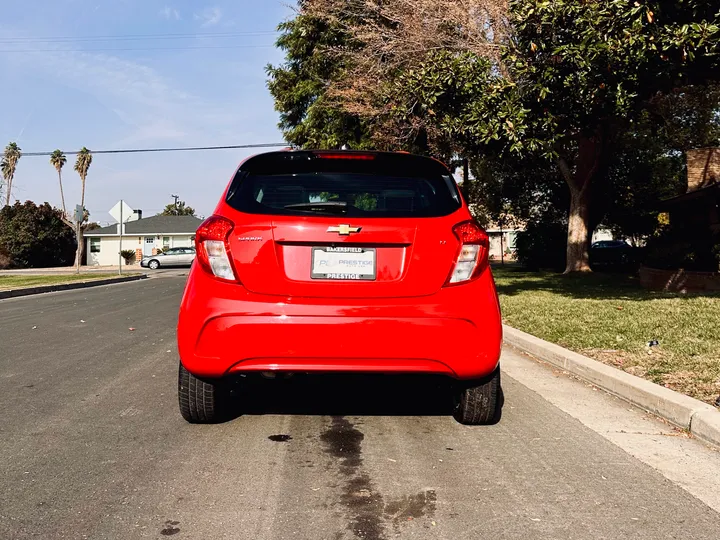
[92,446]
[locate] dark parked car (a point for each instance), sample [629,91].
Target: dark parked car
[612,253]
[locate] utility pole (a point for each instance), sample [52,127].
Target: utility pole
[121,233]
[176,197]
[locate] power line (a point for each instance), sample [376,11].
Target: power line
[190,48]
[133,37]
[154,150]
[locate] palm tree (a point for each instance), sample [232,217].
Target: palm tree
[11,156]
[58,160]
[82,166]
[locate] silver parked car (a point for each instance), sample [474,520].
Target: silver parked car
[171,257]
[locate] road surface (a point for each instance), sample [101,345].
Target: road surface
[92,446]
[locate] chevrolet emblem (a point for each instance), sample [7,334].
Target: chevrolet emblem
[344,230]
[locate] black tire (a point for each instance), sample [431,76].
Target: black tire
[478,402]
[200,401]
[154,265]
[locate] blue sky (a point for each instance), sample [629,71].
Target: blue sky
[71,93]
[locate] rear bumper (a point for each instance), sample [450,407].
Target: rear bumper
[456,332]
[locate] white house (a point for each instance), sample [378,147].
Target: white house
[143,236]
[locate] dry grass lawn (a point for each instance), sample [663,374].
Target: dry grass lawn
[8,282]
[610,318]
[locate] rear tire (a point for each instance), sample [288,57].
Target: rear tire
[478,402]
[200,401]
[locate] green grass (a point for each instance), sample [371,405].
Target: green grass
[610,318]
[23,281]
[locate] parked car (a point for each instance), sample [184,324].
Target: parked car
[611,253]
[172,257]
[344,261]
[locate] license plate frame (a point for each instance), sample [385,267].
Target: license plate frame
[346,275]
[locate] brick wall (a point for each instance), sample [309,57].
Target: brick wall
[703,167]
[138,255]
[679,280]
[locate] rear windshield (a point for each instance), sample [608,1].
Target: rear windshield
[344,193]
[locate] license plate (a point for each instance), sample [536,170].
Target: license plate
[343,263]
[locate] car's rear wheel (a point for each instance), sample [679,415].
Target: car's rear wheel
[201,401]
[478,402]
[154,265]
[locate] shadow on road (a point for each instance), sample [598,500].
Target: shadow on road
[344,395]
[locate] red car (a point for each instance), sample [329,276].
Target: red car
[340,261]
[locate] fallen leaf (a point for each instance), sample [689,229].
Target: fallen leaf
[82,321]
[433,523]
[34,327]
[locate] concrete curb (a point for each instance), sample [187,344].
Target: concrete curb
[14,293]
[701,419]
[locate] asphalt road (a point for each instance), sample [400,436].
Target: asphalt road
[92,446]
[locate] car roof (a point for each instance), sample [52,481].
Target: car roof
[350,161]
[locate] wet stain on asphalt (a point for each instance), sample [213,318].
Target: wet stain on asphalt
[368,512]
[280,438]
[411,507]
[171,528]
[344,441]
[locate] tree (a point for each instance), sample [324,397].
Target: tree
[35,236]
[10,159]
[309,118]
[82,166]
[589,69]
[58,160]
[563,79]
[177,209]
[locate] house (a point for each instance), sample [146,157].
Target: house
[145,236]
[698,209]
[503,237]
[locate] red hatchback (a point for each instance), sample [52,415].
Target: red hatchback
[320,261]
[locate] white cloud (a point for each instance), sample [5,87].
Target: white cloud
[153,108]
[170,13]
[209,16]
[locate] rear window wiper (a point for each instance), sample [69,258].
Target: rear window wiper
[330,206]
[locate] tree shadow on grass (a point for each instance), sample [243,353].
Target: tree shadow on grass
[512,281]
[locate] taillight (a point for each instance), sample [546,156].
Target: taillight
[472,256]
[213,248]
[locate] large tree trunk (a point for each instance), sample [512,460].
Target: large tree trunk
[578,253]
[579,180]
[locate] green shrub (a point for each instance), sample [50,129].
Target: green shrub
[543,245]
[674,248]
[128,255]
[35,236]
